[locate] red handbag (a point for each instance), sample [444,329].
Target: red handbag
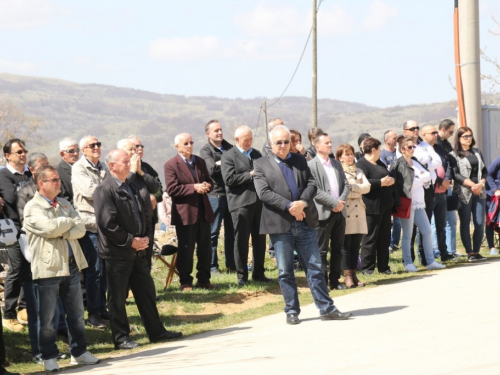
[404,210]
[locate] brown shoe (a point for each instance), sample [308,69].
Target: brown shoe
[206,286]
[186,287]
[348,281]
[355,279]
[13,325]
[22,316]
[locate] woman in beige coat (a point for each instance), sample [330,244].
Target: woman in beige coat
[356,217]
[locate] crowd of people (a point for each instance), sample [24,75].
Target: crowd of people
[337,213]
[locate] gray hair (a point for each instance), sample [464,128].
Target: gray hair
[34,158]
[122,142]
[84,139]
[66,142]
[279,127]
[271,124]
[241,130]
[178,137]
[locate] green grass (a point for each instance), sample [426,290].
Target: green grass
[187,312]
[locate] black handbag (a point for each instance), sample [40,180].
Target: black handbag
[452,202]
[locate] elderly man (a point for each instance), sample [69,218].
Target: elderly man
[87,173]
[123,227]
[155,197]
[53,228]
[332,192]
[69,151]
[145,184]
[267,149]
[286,187]
[188,182]
[244,205]
[212,154]
[12,178]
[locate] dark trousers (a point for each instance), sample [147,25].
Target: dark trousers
[440,215]
[375,244]
[187,237]
[246,222]
[331,234]
[19,272]
[133,273]
[350,251]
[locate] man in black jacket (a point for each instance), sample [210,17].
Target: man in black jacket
[123,226]
[245,206]
[12,178]
[212,152]
[70,152]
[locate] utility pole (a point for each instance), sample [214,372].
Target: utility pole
[470,66]
[315,69]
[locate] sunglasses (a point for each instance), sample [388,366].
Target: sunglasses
[93,145]
[409,148]
[188,143]
[20,152]
[139,146]
[413,129]
[281,143]
[54,180]
[72,151]
[466,136]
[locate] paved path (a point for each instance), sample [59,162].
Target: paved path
[446,322]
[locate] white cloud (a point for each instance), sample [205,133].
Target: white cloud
[185,49]
[380,14]
[15,67]
[25,14]
[334,21]
[265,21]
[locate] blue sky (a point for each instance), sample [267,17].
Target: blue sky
[377,52]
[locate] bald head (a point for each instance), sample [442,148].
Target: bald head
[118,163]
[430,134]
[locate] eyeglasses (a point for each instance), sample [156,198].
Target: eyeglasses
[54,180]
[20,152]
[433,133]
[281,143]
[139,146]
[72,151]
[188,143]
[94,145]
[409,148]
[466,136]
[413,129]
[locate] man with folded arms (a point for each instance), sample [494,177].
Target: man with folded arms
[53,228]
[287,189]
[123,226]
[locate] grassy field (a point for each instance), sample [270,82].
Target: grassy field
[200,311]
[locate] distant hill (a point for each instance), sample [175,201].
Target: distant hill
[112,113]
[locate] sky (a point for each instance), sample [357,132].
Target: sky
[377,52]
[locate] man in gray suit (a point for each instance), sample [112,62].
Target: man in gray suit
[244,205]
[286,186]
[333,190]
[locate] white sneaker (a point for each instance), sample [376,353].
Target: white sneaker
[435,266]
[50,365]
[411,268]
[85,359]
[493,251]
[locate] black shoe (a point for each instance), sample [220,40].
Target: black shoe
[337,287]
[387,272]
[367,272]
[473,258]
[127,345]
[62,356]
[336,315]
[262,279]
[105,315]
[242,282]
[96,321]
[395,247]
[448,257]
[480,257]
[168,335]
[292,319]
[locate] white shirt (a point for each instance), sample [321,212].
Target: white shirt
[426,155]
[332,176]
[421,179]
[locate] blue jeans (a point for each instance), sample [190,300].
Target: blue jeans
[70,291]
[305,242]
[29,294]
[475,207]
[95,277]
[419,218]
[396,231]
[451,230]
[221,212]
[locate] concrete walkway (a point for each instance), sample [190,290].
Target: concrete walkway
[446,322]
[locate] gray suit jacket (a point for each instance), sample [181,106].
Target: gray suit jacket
[275,194]
[324,201]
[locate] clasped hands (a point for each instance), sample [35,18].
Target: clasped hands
[387,181]
[202,188]
[297,210]
[140,243]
